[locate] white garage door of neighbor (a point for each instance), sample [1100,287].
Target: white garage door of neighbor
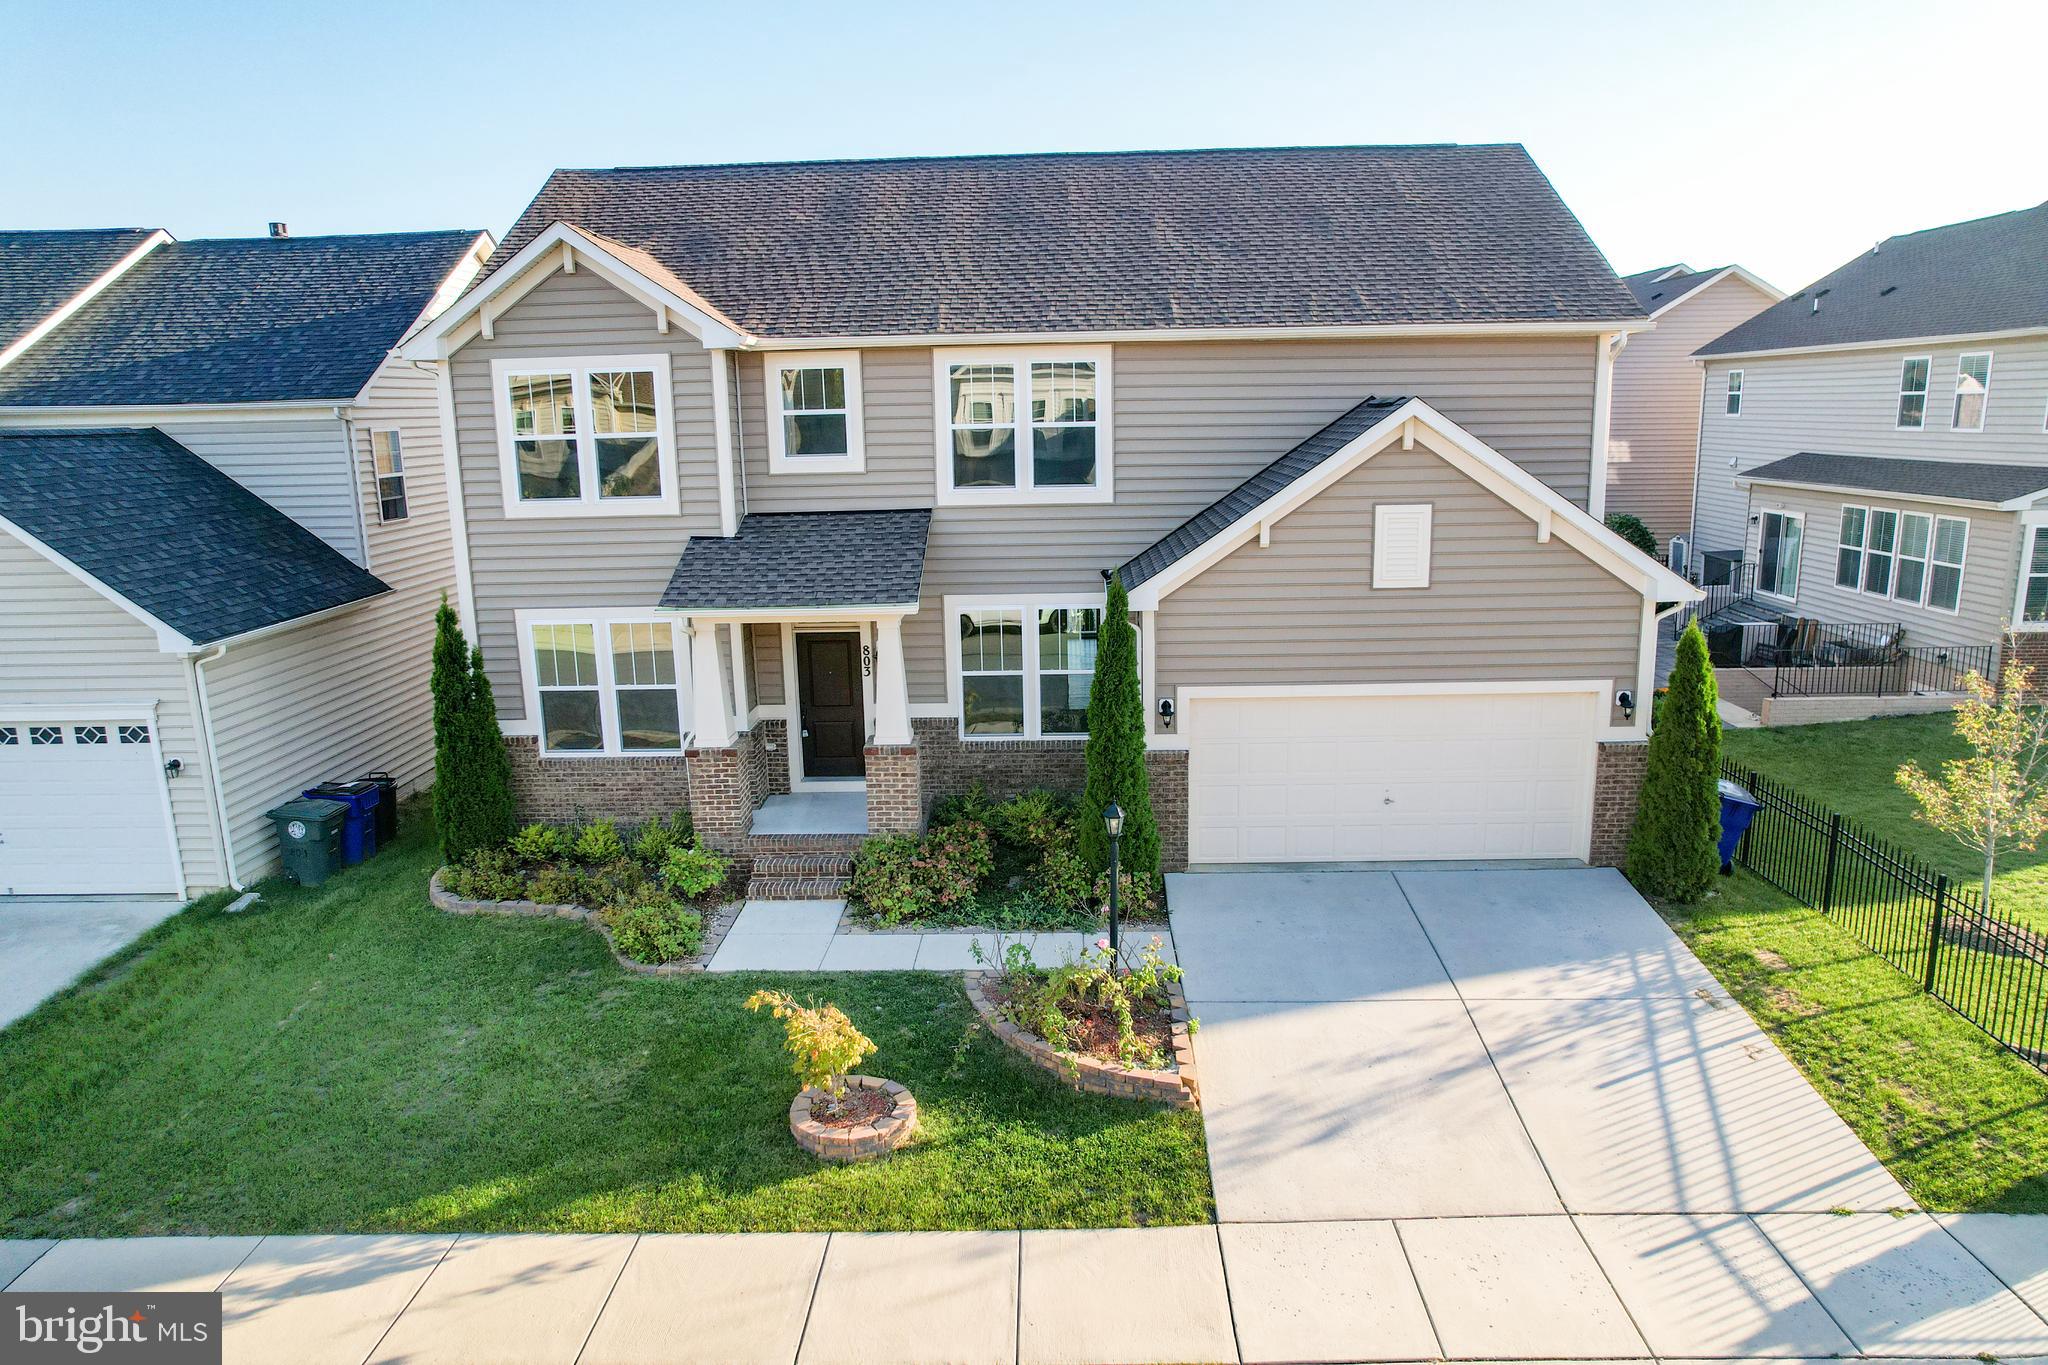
[82,809]
[1373,778]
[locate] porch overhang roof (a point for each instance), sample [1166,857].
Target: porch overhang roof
[780,564]
[1970,482]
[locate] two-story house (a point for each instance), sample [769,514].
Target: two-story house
[806,478]
[223,535]
[1875,447]
[1654,430]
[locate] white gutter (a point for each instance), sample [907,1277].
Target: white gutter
[196,687]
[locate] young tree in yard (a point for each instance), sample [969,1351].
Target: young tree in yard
[490,767]
[1116,745]
[472,775]
[1671,852]
[451,712]
[1997,797]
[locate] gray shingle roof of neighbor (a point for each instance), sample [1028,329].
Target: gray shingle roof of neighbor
[804,559]
[169,532]
[1986,275]
[1109,241]
[239,320]
[1654,293]
[41,270]
[1969,480]
[1184,539]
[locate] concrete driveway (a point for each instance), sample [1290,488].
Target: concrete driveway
[48,943]
[1460,1043]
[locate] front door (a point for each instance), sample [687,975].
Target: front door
[828,686]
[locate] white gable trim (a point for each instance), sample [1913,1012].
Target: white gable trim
[168,639]
[566,249]
[1727,272]
[1416,421]
[82,297]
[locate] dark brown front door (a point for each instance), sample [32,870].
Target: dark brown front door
[829,705]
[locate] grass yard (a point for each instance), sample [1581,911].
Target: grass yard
[1848,766]
[1961,1123]
[349,1059]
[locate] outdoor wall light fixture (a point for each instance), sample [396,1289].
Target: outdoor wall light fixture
[1626,700]
[1166,711]
[1113,824]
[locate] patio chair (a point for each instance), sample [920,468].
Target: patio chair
[1888,646]
[1793,646]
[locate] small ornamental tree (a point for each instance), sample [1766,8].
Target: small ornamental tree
[1997,797]
[1630,528]
[1116,745]
[490,767]
[472,774]
[1672,850]
[822,1043]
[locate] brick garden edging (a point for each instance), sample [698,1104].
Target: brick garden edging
[863,1140]
[1178,1087]
[716,923]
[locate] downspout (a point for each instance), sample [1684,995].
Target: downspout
[739,420]
[196,687]
[355,486]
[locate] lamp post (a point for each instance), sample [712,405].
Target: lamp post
[1113,822]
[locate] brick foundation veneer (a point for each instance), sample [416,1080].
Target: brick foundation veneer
[2030,647]
[1617,782]
[571,790]
[725,787]
[767,759]
[895,789]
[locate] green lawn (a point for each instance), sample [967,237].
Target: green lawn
[1848,767]
[1961,1123]
[349,1059]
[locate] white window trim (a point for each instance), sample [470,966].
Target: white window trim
[1025,494]
[1386,576]
[1891,579]
[579,368]
[1891,593]
[601,620]
[1899,399]
[1962,566]
[1899,557]
[2031,525]
[377,477]
[1029,607]
[780,461]
[1956,398]
[1797,564]
[1733,406]
[1856,584]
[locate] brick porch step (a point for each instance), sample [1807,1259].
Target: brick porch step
[796,888]
[807,874]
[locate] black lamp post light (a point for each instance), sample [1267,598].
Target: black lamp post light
[1113,822]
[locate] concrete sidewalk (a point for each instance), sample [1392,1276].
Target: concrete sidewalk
[1781,1286]
[813,936]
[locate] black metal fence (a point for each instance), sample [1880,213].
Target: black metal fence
[1991,970]
[1807,658]
[1737,586]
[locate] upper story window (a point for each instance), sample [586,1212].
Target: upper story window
[1973,390]
[585,435]
[389,463]
[1023,426]
[814,413]
[1734,393]
[1913,373]
[610,684]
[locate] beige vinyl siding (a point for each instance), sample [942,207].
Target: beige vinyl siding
[1846,403]
[1653,432]
[63,644]
[765,670]
[572,562]
[1303,610]
[1990,561]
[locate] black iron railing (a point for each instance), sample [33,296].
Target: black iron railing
[1808,658]
[1991,969]
[1738,589]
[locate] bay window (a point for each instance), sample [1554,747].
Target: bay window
[1012,688]
[608,684]
[814,413]
[585,436]
[1023,426]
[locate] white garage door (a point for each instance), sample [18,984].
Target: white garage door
[82,809]
[1372,778]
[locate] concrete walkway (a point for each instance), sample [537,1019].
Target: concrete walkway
[46,943]
[812,936]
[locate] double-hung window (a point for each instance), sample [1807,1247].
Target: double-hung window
[1025,671]
[2034,579]
[1778,554]
[1916,539]
[585,435]
[814,413]
[1849,548]
[1973,391]
[1914,557]
[1913,374]
[1023,426]
[610,684]
[389,464]
[1734,393]
[1945,578]
[1882,547]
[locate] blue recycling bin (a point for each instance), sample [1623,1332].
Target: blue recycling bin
[1738,808]
[359,828]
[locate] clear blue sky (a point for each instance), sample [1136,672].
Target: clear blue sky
[1785,135]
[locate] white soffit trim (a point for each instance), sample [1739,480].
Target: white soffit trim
[81,298]
[1281,333]
[1734,272]
[568,249]
[168,639]
[1485,466]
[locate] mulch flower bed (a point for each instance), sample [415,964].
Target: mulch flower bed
[1093,1028]
[1175,1084]
[872,1119]
[718,920]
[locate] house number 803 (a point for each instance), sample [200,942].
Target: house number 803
[867,661]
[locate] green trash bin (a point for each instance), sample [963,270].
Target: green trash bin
[309,838]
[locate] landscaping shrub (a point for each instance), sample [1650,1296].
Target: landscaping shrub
[540,844]
[694,870]
[1631,529]
[563,886]
[1116,745]
[1057,1003]
[972,804]
[822,1042]
[901,877]
[599,842]
[487,874]
[472,775]
[1671,851]
[1137,893]
[656,930]
[653,840]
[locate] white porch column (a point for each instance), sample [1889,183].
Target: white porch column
[892,684]
[710,716]
[738,635]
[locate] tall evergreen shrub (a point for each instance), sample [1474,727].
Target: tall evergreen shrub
[472,774]
[1116,745]
[1671,852]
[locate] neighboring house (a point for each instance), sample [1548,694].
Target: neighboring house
[1653,434]
[1875,447]
[224,532]
[807,477]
